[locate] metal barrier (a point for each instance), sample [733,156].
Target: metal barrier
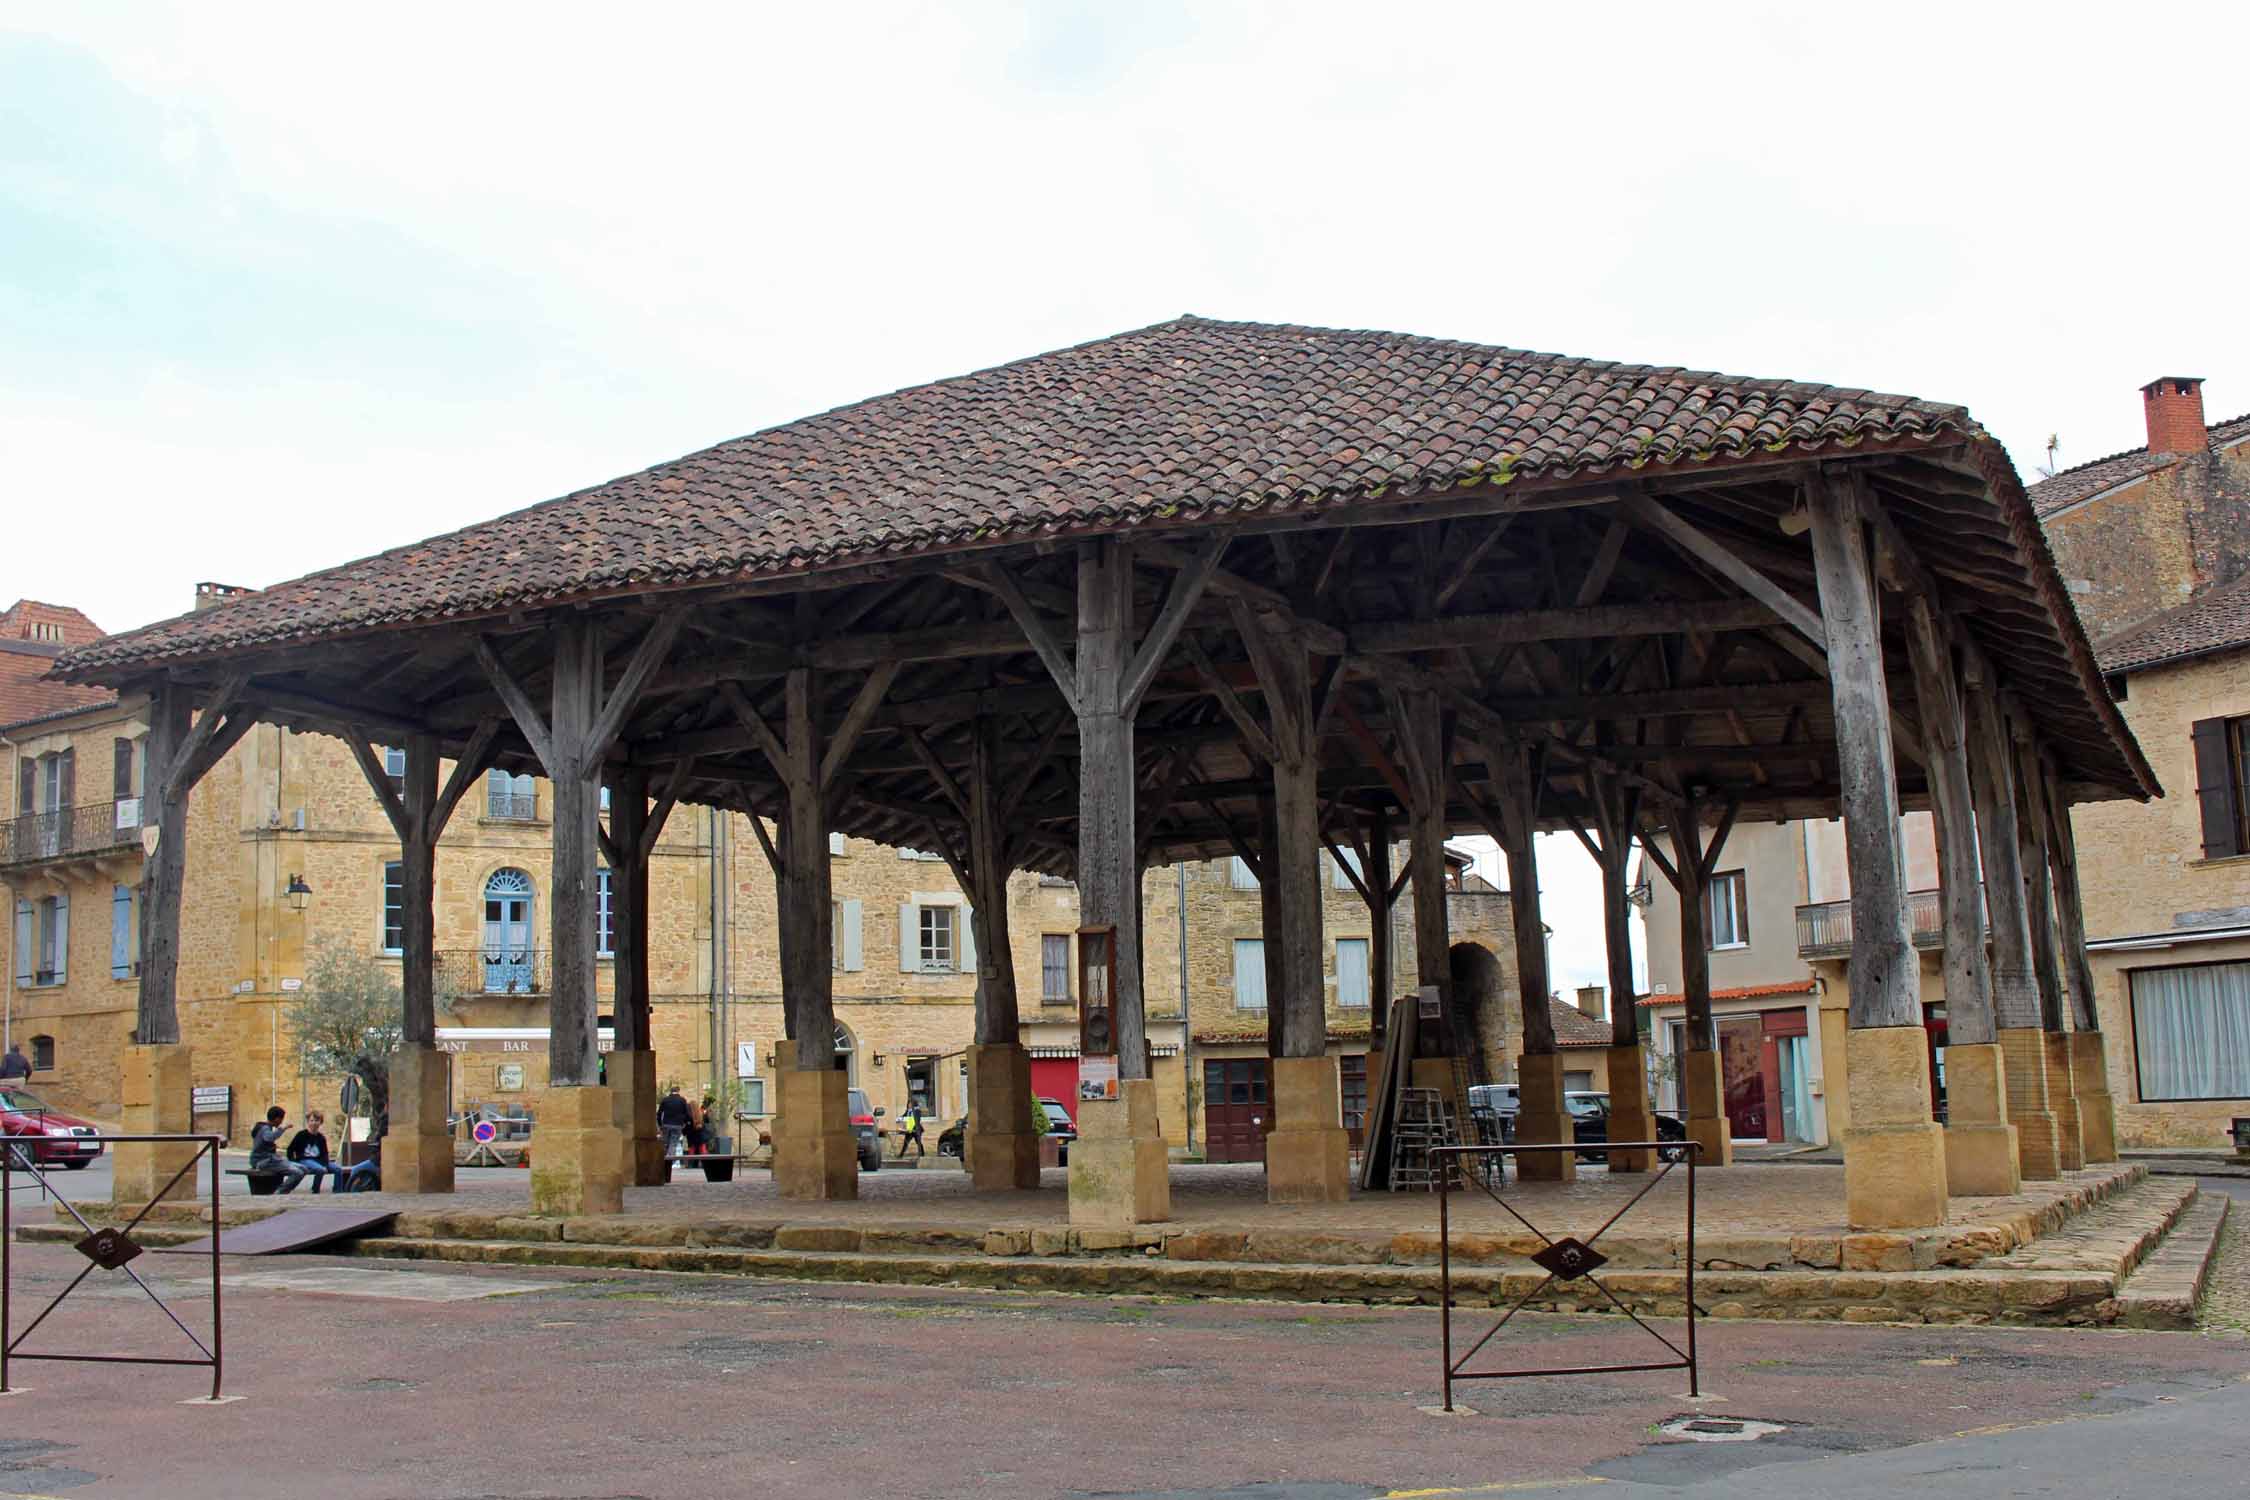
[108,1249]
[1566,1259]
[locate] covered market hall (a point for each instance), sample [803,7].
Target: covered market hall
[1207,589]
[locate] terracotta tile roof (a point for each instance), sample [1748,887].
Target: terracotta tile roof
[2215,620]
[1185,420]
[2088,479]
[1574,1028]
[1225,1036]
[25,697]
[1805,986]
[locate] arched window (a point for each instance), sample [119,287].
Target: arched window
[847,1054]
[508,958]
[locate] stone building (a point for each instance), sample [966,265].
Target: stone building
[2154,545]
[284,810]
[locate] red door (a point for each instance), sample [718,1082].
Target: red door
[1235,1094]
[1056,1078]
[1742,1077]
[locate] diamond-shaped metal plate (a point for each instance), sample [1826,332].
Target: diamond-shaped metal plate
[1569,1258]
[108,1248]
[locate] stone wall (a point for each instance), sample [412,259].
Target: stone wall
[2154,542]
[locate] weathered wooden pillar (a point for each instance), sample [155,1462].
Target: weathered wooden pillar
[2089,1061]
[1382,962]
[155,1074]
[1271,948]
[2015,993]
[1631,1115]
[1894,1152]
[1001,1148]
[2046,945]
[1421,734]
[1702,1079]
[1541,1117]
[631,1069]
[814,1153]
[1981,1158]
[1307,1152]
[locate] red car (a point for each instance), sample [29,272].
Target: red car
[63,1140]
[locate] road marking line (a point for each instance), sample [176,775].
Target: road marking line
[1498,1487]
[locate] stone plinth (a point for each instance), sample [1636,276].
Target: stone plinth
[815,1154]
[1631,1117]
[1119,1175]
[154,1091]
[2023,1051]
[2097,1111]
[2062,1098]
[1894,1153]
[632,1076]
[1980,1145]
[1001,1150]
[1308,1156]
[1706,1096]
[578,1152]
[1541,1120]
[418,1149]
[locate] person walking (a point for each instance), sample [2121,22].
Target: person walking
[15,1064]
[265,1151]
[910,1132]
[308,1148]
[673,1117]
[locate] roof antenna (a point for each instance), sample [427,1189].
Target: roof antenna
[2054,446]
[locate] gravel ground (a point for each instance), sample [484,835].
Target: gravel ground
[2225,1310]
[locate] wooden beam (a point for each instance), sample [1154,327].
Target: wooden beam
[746,714]
[476,759]
[1661,519]
[646,658]
[864,703]
[667,798]
[529,721]
[1320,637]
[1230,703]
[199,738]
[1594,622]
[379,782]
[1187,587]
[1662,703]
[1465,566]
[939,773]
[1035,630]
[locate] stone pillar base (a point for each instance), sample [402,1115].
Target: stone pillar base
[2023,1052]
[632,1077]
[1630,1116]
[153,1091]
[2089,1080]
[815,1154]
[578,1153]
[1541,1120]
[1001,1150]
[2070,1140]
[1308,1156]
[1707,1123]
[1980,1145]
[418,1150]
[1894,1153]
[1119,1174]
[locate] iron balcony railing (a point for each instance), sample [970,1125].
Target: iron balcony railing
[1824,928]
[71,832]
[511,807]
[497,969]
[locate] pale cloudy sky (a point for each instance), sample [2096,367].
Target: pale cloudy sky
[282,285]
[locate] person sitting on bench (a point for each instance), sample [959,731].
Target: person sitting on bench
[265,1151]
[308,1148]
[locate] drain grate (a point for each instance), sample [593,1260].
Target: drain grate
[1718,1429]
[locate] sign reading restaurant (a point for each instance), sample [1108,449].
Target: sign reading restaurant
[525,1039]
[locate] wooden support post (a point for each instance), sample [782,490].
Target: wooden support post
[1702,1079]
[1617,810]
[631,1067]
[2046,947]
[1541,1117]
[1271,948]
[1382,935]
[1894,1152]
[573,1059]
[2089,1062]
[2015,993]
[418,1151]
[1001,1149]
[1981,1157]
[157,1019]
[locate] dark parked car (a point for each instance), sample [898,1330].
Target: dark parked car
[1493,1107]
[949,1142]
[56,1139]
[863,1126]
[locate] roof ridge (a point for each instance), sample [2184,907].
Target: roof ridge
[2142,450]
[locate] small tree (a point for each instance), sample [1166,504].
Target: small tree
[349,1018]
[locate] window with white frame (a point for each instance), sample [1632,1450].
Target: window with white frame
[394,907]
[2191,1031]
[1726,910]
[906,853]
[1351,972]
[1239,874]
[605,915]
[1347,865]
[42,942]
[1054,968]
[938,937]
[1249,974]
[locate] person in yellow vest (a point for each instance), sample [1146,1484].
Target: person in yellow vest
[910,1131]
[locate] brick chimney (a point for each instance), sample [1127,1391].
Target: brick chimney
[1591,1001]
[2175,414]
[212,595]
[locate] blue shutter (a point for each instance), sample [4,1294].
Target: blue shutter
[121,932]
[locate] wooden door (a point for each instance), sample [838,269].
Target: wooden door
[1236,1091]
[1743,1078]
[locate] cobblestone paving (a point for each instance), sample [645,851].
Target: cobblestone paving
[2225,1309]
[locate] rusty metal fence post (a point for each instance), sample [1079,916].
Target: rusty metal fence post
[1566,1259]
[108,1249]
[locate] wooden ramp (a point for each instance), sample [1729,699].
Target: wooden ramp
[292,1230]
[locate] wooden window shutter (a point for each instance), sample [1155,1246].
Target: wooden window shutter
[2214,788]
[965,941]
[66,783]
[909,939]
[27,944]
[62,937]
[852,955]
[27,786]
[121,767]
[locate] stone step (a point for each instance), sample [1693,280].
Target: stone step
[2163,1292]
[2110,1237]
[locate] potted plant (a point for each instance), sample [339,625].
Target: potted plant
[718,1121]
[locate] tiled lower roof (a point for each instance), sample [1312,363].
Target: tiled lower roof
[1805,986]
[1187,420]
[2088,479]
[2216,620]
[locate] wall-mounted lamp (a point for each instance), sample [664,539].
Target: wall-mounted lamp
[298,893]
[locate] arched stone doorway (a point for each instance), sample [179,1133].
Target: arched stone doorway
[1480,1010]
